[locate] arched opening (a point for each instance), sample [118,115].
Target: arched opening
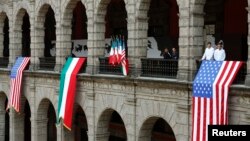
[46,26]
[7,122]
[4,46]
[79,34]
[116,128]
[162,131]
[4,118]
[156,129]
[227,20]
[111,127]
[51,125]
[115,23]
[162,51]
[27,123]
[46,121]
[80,125]
[115,19]
[26,35]
[6,38]
[50,32]
[163,27]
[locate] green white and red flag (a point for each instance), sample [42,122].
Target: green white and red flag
[67,90]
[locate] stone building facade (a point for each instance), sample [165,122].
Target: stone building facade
[139,101]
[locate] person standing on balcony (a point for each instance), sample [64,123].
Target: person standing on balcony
[175,55]
[219,53]
[166,54]
[209,52]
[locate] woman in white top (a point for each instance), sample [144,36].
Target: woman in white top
[219,53]
[209,52]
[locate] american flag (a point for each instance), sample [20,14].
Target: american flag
[210,94]
[16,81]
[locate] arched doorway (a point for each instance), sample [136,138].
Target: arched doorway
[115,23]
[4,118]
[4,46]
[111,127]
[80,125]
[227,20]
[156,129]
[46,121]
[163,26]
[6,38]
[7,122]
[26,35]
[50,32]
[51,125]
[27,123]
[79,31]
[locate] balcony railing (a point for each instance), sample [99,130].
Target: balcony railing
[106,68]
[163,68]
[47,63]
[4,61]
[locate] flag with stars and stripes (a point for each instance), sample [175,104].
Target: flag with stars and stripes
[210,94]
[16,82]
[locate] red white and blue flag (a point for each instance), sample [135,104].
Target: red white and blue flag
[16,82]
[210,96]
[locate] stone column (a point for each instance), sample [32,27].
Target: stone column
[63,43]
[1,39]
[247,80]
[16,126]
[183,122]
[60,132]
[33,65]
[91,40]
[130,116]
[191,22]
[12,55]
[2,118]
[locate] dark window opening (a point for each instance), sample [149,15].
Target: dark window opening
[27,123]
[50,32]
[51,125]
[163,23]
[116,128]
[162,131]
[115,19]
[6,38]
[80,125]
[26,36]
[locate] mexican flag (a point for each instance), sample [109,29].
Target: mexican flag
[67,90]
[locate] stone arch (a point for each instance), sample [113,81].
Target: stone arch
[22,5]
[18,22]
[100,13]
[67,17]
[45,113]
[3,17]
[103,125]
[4,117]
[39,28]
[146,130]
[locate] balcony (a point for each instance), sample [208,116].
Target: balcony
[159,68]
[163,68]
